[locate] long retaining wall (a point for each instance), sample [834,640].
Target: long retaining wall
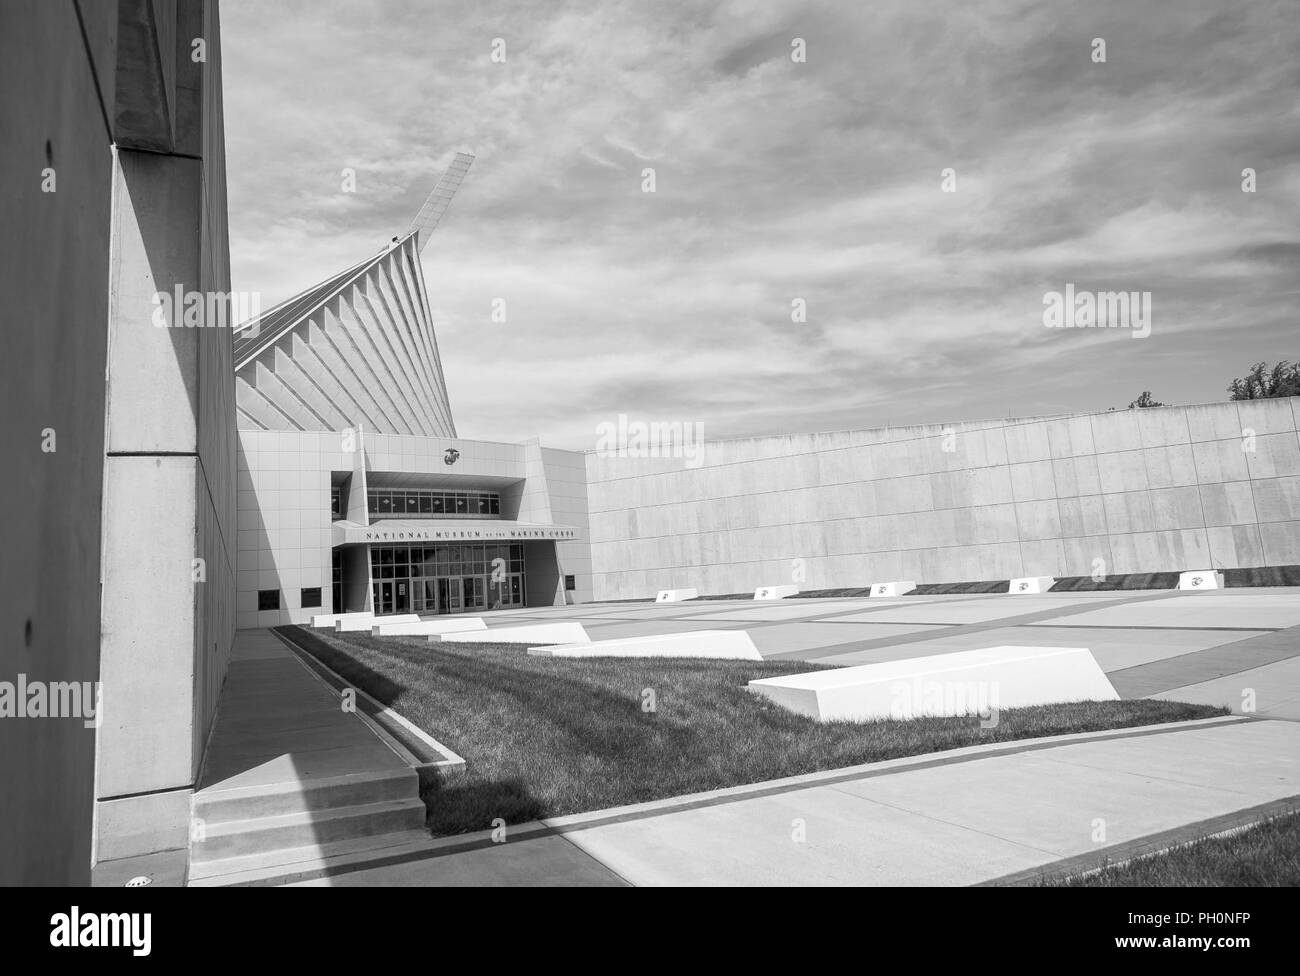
[1145,490]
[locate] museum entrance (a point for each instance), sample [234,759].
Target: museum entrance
[447,579]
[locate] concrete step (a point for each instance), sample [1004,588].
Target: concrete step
[214,805]
[260,835]
[300,863]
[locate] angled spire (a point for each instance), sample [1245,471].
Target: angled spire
[437,202]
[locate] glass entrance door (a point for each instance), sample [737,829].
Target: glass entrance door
[449,596]
[402,598]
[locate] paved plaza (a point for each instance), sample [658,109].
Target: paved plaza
[988,814]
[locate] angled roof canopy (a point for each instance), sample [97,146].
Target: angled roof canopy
[357,348]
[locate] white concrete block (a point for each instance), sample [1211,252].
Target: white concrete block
[943,684]
[895,588]
[1201,579]
[775,592]
[723,644]
[564,633]
[330,619]
[443,625]
[672,596]
[1032,584]
[364,623]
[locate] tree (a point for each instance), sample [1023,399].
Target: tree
[1263,382]
[1145,400]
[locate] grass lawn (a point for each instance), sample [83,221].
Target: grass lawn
[545,737]
[1265,854]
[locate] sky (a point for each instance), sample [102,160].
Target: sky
[779,181]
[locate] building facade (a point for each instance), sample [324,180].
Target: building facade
[355,492]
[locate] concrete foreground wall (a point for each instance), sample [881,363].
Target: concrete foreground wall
[53,275]
[98,581]
[169,478]
[1124,491]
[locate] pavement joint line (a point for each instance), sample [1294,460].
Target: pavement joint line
[839,788]
[1146,845]
[1152,627]
[1145,776]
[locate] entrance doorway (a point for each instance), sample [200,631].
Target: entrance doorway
[449,595]
[392,596]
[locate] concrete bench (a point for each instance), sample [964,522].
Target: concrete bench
[717,644]
[443,625]
[367,622]
[962,683]
[775,592]
[1201,579]
[330,619]
[672,596]
[1032,584]
[894,588]
[563,633]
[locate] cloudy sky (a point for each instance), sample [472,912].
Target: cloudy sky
[778,180]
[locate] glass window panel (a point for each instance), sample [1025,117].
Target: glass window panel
[437,504]
[462,503]
[494,505]
[426,503]
[399,503]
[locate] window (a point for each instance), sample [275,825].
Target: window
[570,583]
[336,502]
[268,599]
[385,502]
[311,597]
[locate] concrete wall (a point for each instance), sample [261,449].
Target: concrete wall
[168,536]
[566,481]
[53,270]
[96,580]
[1125,491]
[285,539]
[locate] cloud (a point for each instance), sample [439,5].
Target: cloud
[779,180]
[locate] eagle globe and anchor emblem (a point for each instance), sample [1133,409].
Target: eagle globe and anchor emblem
[451,456]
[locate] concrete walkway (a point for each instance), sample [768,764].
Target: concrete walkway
[277,723]
[945,822]
[956,818]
